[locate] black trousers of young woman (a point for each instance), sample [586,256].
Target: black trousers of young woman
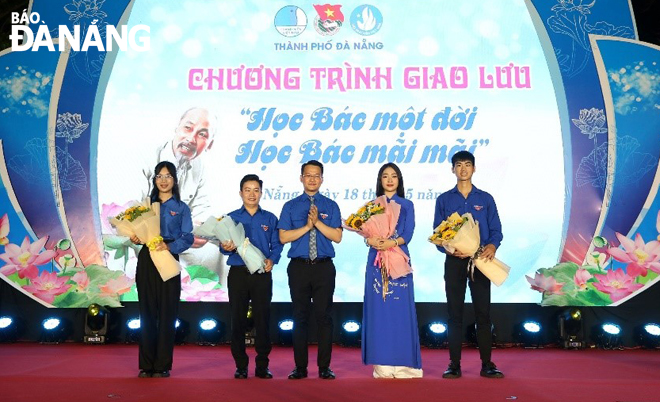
[159,304]
[456,279]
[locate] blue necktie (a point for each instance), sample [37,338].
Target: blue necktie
[312,237]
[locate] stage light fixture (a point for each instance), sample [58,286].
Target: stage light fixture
[648,335]
[351,326]
[5,322]
[51,324]
[208,324]
[8,329]
[529,334]
[571,329]
[285,325]
[182,331]
[285,332]
[96,324]
[532,327]
[652,329]
[350,333]
[434,335]
[608,336]
[211,332]
[132,330]
[54,330]
[133,324]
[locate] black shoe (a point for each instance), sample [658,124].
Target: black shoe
[489,370]
[145,374]
[453,371]
[298,373]
[262,372]
[326,373]
[161,374]
[241,373]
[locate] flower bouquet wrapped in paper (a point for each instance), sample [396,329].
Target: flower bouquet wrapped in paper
[462,233]
[143,221]
[378,218]
[225,229]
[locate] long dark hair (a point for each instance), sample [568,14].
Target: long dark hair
[379,184]
[154,188]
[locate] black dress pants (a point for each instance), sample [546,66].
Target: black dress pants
[244,287]
[159,304]
[456,277]
[309,282]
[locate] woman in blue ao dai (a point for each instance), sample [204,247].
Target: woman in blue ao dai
[390,337]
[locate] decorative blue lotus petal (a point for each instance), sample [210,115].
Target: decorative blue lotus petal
[571,19]
[591,122]
[85,9]
[32,167]
[71,173]
[633,165]
[70,126]
[593,168]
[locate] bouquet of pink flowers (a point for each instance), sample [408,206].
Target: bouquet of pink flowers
[393,262]
[143,221]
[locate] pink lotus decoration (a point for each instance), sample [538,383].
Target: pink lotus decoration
[24,259]
[81,279]
[617,284]
[581,278]
[545,284]
[47,285]
[4,230]
[640,256]
[116,287]
[110,211]
[197,291]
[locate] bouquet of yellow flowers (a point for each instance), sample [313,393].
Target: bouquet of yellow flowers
[378,218]
[462,233]
[143,221]
[448,228]
[355,221]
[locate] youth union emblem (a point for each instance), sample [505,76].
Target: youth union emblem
[329,19]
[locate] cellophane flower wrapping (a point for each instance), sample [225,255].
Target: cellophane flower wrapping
[146,226]
[225,229]
[394,260]
[467,240]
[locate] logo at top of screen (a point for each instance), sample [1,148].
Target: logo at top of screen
[366,20]
[329,19]
[290,21]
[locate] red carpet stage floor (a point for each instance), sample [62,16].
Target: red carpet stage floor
[78,372]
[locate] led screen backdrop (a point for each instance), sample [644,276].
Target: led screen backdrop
[557,100]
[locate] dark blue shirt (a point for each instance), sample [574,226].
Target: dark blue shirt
[176,225]
[261,229]
[405,226]
[294,216]
[482,207]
